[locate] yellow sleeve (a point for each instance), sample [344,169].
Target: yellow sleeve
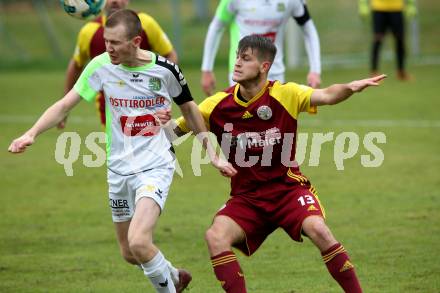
[295,98]
[82,48]
[206,107]
[157,38]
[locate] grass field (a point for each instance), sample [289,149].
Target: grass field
[345,36]
[56,233]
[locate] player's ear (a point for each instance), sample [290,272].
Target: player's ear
[265,66]
[136,41]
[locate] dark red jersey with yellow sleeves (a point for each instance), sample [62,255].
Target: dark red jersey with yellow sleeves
[258,137]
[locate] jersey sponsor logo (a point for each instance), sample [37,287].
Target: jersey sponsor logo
[118,203]
[138,102]
[257,139]
[247,115]
[154,84]
[264,112]
[145,125]
[136,78]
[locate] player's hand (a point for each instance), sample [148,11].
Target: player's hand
[410,11]
[359,85]
[19,145]
[225,168]
[164,115]
[314,80]
[364,10]
[62,123]
[208,82]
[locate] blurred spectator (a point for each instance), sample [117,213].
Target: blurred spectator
[388,14]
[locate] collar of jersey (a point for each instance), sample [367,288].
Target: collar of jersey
[143,67]
[256,97]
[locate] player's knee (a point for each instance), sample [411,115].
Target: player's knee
[139,245]
[215,238]
[128,256]
[320,232]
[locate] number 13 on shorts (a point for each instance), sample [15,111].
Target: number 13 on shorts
[306,199]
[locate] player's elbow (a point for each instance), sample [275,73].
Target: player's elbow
[322,97]
[331,100]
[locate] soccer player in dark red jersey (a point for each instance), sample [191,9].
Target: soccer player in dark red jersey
[255,122]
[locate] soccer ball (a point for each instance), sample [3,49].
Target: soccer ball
[83,9]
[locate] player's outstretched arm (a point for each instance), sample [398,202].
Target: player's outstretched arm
[212,41]
[337,93]
[195,122]
[50,118]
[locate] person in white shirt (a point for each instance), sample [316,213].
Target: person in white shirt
[267,18]
[136,85]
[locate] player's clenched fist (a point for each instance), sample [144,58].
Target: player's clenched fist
[225,168]
[19,145]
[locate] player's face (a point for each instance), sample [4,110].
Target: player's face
[119,47]
[248,67]
[114,5]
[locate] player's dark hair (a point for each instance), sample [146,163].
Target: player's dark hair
[129,19]
[263,46]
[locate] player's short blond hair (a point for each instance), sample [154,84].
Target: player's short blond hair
[129,19]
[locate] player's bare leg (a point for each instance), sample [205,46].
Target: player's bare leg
[121,235]
[181,278]
[333,253]
[220,237]
[140,241]
[135,239]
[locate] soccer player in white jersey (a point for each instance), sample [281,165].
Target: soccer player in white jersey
[136,84]
[260,17]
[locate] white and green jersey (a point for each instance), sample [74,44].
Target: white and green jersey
[135,140]
[263,17]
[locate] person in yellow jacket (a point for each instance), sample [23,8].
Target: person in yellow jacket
[90,43]
[388,14]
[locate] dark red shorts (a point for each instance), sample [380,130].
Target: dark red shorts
[275,205]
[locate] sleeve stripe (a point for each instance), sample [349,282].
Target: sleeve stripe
[185,95]
[301,20]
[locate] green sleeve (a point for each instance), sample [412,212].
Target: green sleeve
[89,83]
[224,12]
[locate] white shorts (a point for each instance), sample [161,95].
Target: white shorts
[125,191]
[279,77]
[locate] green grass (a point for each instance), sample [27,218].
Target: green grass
[56,233]
[340,28]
